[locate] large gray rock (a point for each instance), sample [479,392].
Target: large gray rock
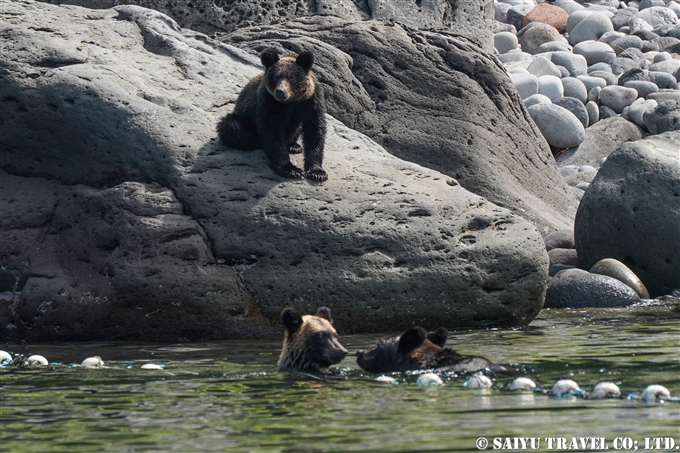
[432,99]
[631,212]
[602,139]
[473,19]
[124,219]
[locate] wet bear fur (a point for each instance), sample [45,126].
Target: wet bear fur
[274,109]
[415,349]
[310,343]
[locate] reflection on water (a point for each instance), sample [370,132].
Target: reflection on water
[227,396]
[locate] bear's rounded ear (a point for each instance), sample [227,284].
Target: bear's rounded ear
[269,57]
[292,320]
[411,339]
[305,59]
[325,313]
[439,336]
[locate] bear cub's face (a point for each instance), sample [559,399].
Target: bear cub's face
[409,351]
[310,343]
[288,79]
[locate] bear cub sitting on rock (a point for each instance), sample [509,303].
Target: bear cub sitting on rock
[274,109]
[415,349]
[310,343]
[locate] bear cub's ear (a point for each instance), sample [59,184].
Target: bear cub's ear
[305,60]
[269,57]
[438,336]
[411,339]
[292,320]
[325,313]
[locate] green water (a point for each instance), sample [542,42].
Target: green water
[228,397]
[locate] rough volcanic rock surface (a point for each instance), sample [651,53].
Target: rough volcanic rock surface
[435,100]
[123,218]
[473,18]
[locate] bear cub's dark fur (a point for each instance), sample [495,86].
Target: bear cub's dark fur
[415,349]
[310,343]
[274,109]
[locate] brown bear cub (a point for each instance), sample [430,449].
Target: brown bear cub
[310,343]
[274,109]
[415,349]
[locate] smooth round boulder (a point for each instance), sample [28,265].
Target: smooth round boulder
[664,95]
[595,51]
[559,126]
[616,269]
[574,88]
[663,118]
[570,61]
[643,88]
[525,83]
[617,97]
[631,212]
[550,86]
[576,288]
[535,34]
[669,66]
[590,28]
[593,112]
[547,14]
[576,107]
[663,80]
[536,99]
[592,82]
[505,41]
[657,16]
[624,42]
[575,18]
[599,67]
[607,76]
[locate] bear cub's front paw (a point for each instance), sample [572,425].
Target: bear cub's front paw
[317,174]
[291,171]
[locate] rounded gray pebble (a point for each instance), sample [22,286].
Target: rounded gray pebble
[626,41]
[606,112]
[558,125]
[662,80]
[643,88]
[592,82]
[600,67]
[593,112]
[595,51]
[570,61]
[617,97]
[536,99]
[590,28]
[594,94]
[576,107]
[608,77]
[550,86]
[574,88]
[526,84]
[616,269]
[505,42]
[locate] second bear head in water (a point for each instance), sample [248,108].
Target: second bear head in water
[415,349]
